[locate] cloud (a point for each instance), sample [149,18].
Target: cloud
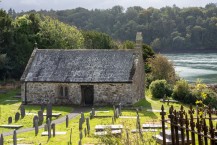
[26,5]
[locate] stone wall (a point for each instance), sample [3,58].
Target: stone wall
[104,93]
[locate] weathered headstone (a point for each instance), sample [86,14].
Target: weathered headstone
[116,112]
[15,138]
[81,135]
[120,109]
[82,117]
[45,127]
[88,125]
[49,111]
[22,111]
[93,112]
[9,120]
[34,119]
[80,124]
[85,132]
[53,126]
[1,140]
[67,121]
[49,128]
[17,116]
[40,117]
[36,127]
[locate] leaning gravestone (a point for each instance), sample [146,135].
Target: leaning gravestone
[80,124]
[17,116]
[49,111]
[34,119]
[53,126]
[22,111]
[40,117]
[15,138]
[36,127]
[1,140]
[9,120]
[88,125]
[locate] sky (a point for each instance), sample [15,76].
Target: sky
[26,5]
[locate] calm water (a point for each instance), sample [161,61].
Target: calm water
[194,66]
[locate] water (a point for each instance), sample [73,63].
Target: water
[195,66]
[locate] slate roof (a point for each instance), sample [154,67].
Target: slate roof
[58,65]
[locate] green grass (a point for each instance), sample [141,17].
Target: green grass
[129,124]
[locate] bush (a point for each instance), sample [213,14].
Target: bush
[181,90]
[159,88]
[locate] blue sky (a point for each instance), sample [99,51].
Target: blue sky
[26,5]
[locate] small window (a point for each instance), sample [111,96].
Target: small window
[63,92]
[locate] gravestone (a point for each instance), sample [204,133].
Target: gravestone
[22,111]
[1,140]
[42,107]
[40,117]
[88,125]
[49,111]
[93,112]
[15,138]
[81,135]
[120,109]
[34,119]
[53,126]
[36,127]
[45,127]
[9,120]
[82,117]
[49,128]
[113,121]
[79,142]
[80,124]
[17,116]
[116,112]
[67,121]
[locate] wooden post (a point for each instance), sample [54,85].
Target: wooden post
[192,124]
[163,124]
[171,116]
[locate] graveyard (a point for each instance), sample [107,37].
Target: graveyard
[95,125]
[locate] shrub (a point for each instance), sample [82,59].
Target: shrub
[159,88]
[181,90]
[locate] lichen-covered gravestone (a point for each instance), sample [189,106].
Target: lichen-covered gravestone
[40,117]
[34,119]
[80,124]
[53,126]
[36,126]
[22,111]
[49,128]
[17,116]
[49,111]
[9,120]
[82,117]
[88,125]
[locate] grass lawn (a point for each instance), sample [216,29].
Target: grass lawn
[9,108]
[129,124]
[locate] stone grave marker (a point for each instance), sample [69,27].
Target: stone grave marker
[45,127]
[14,137]
[40,117]
[49,128]
[82,117]
[67,121]
[88,125]
[36,127]
[9,120]
[34,119]
[1,140]
[120,109]
[17,116]
[53,126]
[116,112]
[80,124]
[81,135]
[42,107]
[49,111]
[22,111]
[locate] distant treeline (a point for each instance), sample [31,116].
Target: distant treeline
[165,29]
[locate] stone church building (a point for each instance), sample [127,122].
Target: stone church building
[84,76]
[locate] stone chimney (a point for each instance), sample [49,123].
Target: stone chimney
[139,39]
